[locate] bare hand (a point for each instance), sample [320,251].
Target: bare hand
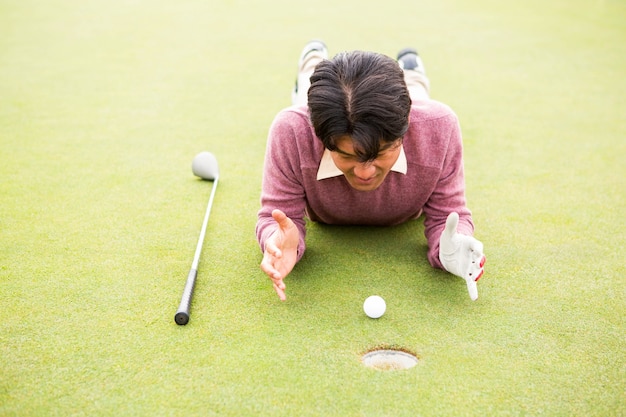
[281,252]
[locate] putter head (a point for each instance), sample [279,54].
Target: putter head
[204,165]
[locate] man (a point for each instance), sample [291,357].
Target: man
[364,145]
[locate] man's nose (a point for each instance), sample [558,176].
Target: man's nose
[364,170]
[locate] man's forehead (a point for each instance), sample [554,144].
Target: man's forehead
[347,142]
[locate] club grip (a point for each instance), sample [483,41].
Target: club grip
[182,315]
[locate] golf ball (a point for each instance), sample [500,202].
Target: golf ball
[374,306]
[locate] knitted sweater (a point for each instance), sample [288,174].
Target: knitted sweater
[434,183]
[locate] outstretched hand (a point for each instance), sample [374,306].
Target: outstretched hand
[281,252]
[461,255]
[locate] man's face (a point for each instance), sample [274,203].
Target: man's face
[365,176]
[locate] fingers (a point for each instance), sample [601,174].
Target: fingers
[277,279]
[272,254]
[279,287]
[476,246]
[272,249]
[451,224]
[476,259]
[475,267]
[278,215]
[270,271]
[281,218]
[472,288]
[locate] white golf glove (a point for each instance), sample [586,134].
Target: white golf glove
[461,255]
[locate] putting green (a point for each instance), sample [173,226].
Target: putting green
[103,105]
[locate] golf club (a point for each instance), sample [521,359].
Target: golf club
[204,165]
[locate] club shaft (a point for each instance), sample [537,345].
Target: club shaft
[184,308]
[196,257]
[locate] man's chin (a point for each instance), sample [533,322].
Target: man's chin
[364,185]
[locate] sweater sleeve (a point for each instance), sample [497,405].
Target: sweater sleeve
[448,195]
[282,180]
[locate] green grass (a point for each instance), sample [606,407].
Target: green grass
[103,105]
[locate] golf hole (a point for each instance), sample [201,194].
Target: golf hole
[389,359]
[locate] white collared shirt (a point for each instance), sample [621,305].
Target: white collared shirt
[328,169]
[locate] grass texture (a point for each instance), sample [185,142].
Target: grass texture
[103,105]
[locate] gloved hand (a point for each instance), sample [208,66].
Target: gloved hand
[461,255]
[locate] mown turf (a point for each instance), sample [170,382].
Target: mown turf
[103,105]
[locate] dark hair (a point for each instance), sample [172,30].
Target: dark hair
[360,94]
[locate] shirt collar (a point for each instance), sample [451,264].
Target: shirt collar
[328,169]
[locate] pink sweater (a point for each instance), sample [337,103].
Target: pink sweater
[434,183]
